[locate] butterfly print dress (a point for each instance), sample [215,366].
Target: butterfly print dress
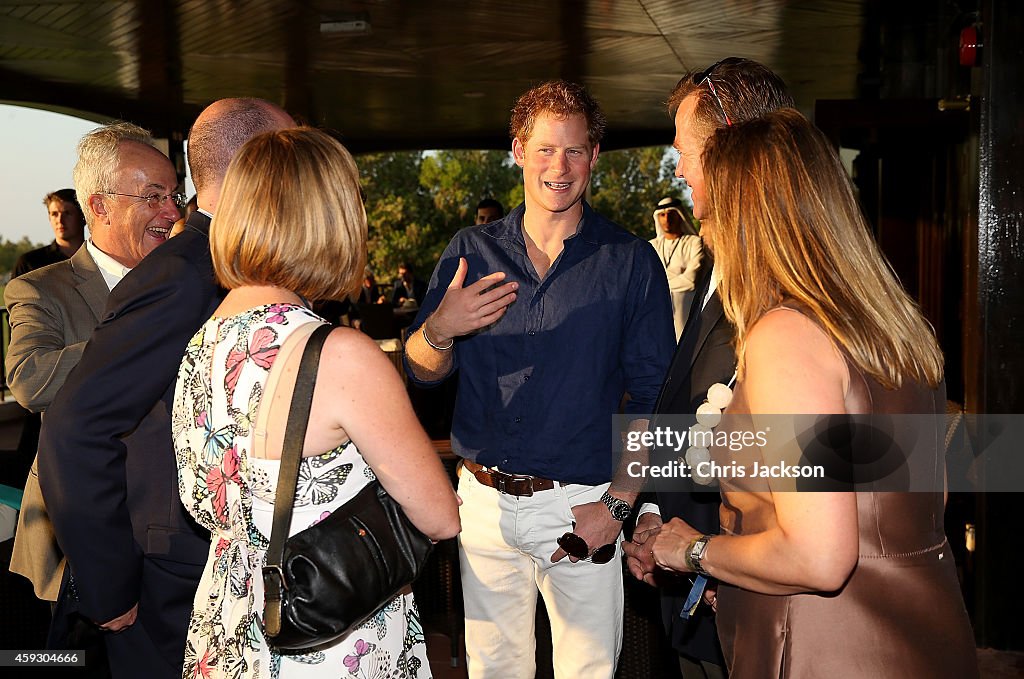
[220,386]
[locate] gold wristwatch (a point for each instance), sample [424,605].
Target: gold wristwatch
[695,552]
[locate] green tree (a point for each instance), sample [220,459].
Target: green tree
[626,186]
[416,201]
[458,180]
[11,250]
[9,253]
[399,212]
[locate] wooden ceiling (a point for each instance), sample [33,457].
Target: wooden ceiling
[439,74]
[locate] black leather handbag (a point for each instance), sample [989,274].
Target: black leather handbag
[328,579]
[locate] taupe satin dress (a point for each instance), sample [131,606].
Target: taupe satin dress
[900,614]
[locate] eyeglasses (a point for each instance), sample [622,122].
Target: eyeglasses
[577,547]
[705,76]
[154,200]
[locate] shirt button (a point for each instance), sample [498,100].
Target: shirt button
[518,420]
[532,333]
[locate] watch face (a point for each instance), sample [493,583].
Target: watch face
[619,509]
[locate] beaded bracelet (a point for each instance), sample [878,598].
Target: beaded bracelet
[451,342]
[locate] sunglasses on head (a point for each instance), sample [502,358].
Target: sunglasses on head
[577,547]
[705,77]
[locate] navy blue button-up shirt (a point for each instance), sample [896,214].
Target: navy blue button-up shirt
[538,388]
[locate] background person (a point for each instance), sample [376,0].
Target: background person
[190,207]
[488,210]
[369,293]
[836,584]
[680,250]
[273,248]
[407,290]
[68,223]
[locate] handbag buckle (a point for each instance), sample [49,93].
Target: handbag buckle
[273,581]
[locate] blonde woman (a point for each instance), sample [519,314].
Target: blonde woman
[818,584]
[290,227]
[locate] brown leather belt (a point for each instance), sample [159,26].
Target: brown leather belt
[510,484]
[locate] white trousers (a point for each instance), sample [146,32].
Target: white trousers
[505,554]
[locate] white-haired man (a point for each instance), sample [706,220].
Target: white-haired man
[54,309]
[136,555]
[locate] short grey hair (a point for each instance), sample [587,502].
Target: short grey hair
[98,154]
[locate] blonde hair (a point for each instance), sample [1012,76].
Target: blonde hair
[290,215]
[787,226]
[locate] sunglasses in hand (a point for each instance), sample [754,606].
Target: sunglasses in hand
[577,547]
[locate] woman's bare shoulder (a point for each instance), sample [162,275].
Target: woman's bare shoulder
[793,366]
[355,352]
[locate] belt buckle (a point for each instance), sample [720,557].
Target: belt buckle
[507,483]
[528,480]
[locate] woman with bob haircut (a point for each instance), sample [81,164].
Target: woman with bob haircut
[819,584]
[290,227]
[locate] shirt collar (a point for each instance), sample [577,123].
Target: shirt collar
[711,286]
[111,269]
[593,230]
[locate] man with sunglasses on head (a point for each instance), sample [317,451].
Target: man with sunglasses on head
[729,91]
[106,461]
[549,315]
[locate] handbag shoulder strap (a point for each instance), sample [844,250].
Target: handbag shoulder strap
[294,436]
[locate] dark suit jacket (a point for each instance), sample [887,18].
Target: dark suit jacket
[400,289]
[368,295]
[107,464]
[704,356]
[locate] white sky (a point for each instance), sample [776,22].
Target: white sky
[37,154]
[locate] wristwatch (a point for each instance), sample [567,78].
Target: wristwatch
[620,509]
[695,552]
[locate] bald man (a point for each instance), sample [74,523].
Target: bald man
[106,460]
